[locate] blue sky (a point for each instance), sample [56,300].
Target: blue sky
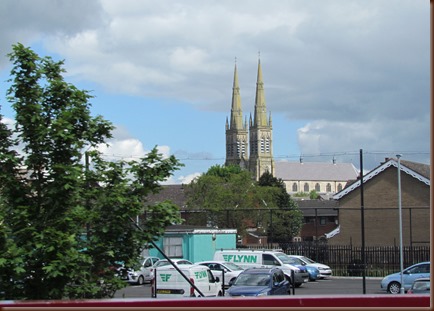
[339,76]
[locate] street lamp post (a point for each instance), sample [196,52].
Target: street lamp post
[401,256]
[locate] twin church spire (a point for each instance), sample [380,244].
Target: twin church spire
[250,148]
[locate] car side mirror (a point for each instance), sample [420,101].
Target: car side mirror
[217,279]
[231,282]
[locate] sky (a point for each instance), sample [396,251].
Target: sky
[340,76]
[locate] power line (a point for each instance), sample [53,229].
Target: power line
[289,156]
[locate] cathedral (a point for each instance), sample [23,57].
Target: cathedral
[251,148]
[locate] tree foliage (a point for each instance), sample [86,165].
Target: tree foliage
[287,219]
[64,224]
[227,196]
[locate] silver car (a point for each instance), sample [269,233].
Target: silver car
[392,282]
[231,270]
[140,273]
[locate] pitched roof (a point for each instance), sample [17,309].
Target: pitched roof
[318,208]
[417,170]
[174,193]
[318,171]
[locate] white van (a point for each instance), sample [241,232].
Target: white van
[263,259]
[169,283]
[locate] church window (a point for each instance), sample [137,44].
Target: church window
[317,187]
[294,187]
[306,187]
[329,187]
[339,187]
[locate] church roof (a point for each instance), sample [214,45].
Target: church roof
[315,171]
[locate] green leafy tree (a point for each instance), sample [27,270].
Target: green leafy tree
[287,219]
[220,197]
[313,195]
[65,225]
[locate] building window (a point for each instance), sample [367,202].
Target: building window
[322,220]
[294,187]
[329,188]
[339,187]
[317,187]
[306,187]
[173,247]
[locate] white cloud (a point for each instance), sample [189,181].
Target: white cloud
[356,71]
[187,179]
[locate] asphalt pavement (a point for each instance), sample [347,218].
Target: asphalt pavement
[330,286]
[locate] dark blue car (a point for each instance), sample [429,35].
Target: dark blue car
[259,282]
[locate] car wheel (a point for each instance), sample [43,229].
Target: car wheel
[141,280]
[394,288]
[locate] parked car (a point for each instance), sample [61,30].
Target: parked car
[420,286]
[324,270]
[231,270]
[140,273]
[259,282]
[311,270]
[392,282]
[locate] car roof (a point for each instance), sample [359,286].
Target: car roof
[260,270]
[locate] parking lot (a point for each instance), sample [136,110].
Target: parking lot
[331,286]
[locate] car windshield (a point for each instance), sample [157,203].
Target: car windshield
[296,261]
[284,258]
[233,266]
[255,279]
[308,260]
[421,285]
[161,263]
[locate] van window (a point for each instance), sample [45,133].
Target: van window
[211,278]
[269,260]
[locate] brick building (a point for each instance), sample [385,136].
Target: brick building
[381,212]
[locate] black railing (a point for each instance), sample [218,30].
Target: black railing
[345,260]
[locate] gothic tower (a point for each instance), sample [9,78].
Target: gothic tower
[261,133]
[236,130]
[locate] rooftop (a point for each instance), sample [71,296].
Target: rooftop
[318,171]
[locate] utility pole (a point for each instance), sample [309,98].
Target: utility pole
[401,254]
[362,216]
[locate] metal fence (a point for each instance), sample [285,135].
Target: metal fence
[346,260]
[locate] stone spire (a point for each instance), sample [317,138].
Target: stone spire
[260,116]
[236,110]
[237,141]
